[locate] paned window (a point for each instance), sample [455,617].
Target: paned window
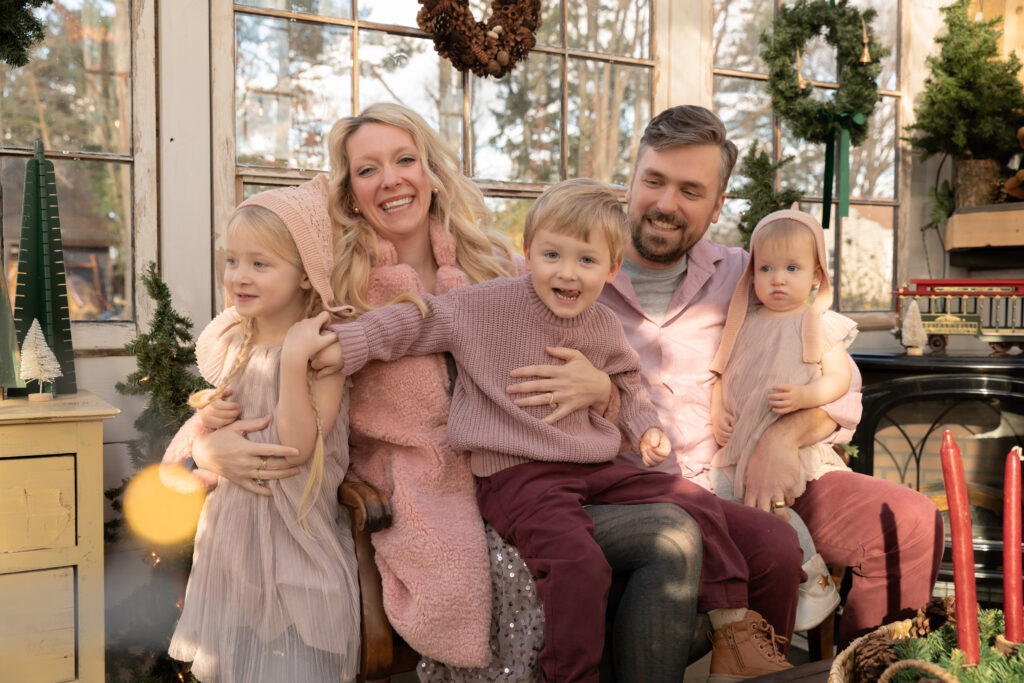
[575,107]
[75,95]
[862,246]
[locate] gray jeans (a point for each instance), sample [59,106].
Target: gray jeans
[655,554]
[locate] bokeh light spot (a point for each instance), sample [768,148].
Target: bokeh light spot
[162,503]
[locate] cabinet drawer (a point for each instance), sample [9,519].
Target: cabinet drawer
[37,503]
[37,626]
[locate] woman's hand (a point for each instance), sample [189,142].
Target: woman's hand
[228,453]
[306,338]
[567,387]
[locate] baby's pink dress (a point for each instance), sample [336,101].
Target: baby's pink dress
[769,352]
[267,600]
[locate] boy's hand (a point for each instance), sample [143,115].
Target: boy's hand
[785,398]
[219,413]
[305,338]
[654,447]
[722,428]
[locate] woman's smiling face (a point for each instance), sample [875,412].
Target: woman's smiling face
[389,183]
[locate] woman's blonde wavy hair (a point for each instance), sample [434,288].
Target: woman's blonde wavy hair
[268,230]
[458,207]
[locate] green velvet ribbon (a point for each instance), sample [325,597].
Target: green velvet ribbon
[846,121]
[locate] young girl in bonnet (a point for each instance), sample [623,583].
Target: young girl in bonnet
[780,353]
[273,593]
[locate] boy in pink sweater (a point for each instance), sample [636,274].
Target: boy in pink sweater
[534,478]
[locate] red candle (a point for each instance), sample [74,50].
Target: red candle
[963,549]
[1012,605]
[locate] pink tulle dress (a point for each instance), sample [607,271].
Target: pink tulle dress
[268,601]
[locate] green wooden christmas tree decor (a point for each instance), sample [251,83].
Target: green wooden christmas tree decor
[41,292]
[8,341]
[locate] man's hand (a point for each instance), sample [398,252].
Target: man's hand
[219,413]
[228,453]
[774,467]
[654,447]
[566,387]
[785,398]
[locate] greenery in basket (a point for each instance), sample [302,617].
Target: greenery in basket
[973,102]
[939,647]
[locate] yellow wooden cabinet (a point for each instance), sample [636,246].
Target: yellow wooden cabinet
[51,539]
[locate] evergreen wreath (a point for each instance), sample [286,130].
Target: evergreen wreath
[487,48]
[849,32]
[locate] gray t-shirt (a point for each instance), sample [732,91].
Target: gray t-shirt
[654,287]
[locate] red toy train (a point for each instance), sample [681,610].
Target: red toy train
[991,310]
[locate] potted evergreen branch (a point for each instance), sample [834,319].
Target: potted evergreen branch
[760,190]
[971,107]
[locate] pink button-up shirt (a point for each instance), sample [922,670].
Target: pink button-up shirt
[676,354]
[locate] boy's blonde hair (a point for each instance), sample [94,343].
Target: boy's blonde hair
[577,208]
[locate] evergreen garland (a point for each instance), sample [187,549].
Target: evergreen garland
[164,357]
[973,102]
[19,29]
[939,647]
[795,25]
[759,189]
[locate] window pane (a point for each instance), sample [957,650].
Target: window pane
[550,30]
[250,189]
[746,110]
[725,231]
[867,239]
[807,170]
[819,58]
[340,9]
[407,70]
[94,201]
[292,81]
[884,26]
[509,217]
[398,12]
[618,27]
[873,163]
[609,105]
[75,93]
[516,122]
[738,28]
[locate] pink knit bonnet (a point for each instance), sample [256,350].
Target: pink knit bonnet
[303,210]
[811,327]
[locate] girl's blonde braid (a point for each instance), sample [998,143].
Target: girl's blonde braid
[203,398]
[316,466]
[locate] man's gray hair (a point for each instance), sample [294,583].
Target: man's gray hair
[686,125]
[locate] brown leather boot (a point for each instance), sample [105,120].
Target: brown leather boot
[744,649]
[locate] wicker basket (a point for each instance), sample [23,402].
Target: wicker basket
[842,666]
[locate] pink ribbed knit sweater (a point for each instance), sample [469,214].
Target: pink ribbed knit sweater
[490,329]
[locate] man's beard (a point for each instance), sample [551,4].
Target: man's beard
[655,248]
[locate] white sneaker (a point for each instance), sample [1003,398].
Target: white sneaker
[818,596]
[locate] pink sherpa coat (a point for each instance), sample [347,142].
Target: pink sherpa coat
[433,559]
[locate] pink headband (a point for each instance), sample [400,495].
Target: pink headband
[303,210]
[811,330]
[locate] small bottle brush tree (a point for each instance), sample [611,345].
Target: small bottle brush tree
[38,362]
[913,335]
